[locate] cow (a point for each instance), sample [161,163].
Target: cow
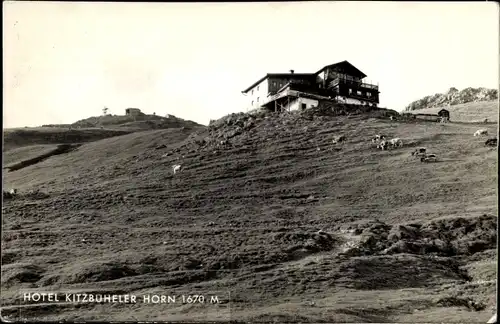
[480,132]
[429,158]
[491,142]
[176,168]
[383,145]
[338,139]
[419,151]
[395,142]
[377,138]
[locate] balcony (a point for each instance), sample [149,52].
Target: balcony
[356,84]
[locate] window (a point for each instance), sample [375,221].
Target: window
[274,83]
[350,91]
[252,102]
[368,94]
[257,99]
[257,88]
[252,91]
[303,107]
[358,93]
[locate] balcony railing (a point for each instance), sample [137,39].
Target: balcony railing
[359,84]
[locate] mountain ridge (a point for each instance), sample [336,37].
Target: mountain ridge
[453,96]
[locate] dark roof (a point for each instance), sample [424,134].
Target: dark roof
[420,114]
[346,65]
[429,111]
[277,75]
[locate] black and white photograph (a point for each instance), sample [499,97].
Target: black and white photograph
[250,162]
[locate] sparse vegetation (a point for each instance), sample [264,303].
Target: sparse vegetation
[473,112]
[454,97]
[262,218]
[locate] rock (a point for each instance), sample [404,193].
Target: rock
[402,232]
[454,97]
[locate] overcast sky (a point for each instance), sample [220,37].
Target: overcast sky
[66,61]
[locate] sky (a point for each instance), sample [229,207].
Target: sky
[66,61]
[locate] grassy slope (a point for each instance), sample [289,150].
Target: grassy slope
[146,231]
[21,153]
[30,143]
[471,112]
[15,138]
[90,130]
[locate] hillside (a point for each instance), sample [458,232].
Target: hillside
[454,97]
[141,122]
[90,129]
[20,137]
[401,240]
[472,112]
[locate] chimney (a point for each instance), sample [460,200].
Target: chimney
[291,71]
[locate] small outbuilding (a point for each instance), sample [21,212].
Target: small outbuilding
[431,114]
[133,112]
[444,113]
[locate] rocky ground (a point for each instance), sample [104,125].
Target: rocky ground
[454,97]
[267,214]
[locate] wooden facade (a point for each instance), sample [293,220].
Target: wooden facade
[277,81]
[431,114]
[336,81]
[430,117]
[345,80]
[444,113]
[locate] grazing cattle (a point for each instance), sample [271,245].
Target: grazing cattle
[480,132]
[395,142]
[377,138]
[176,168]
[429,158]
[383,145]
[338,139]
[419,151]
[491,142]
[9,194]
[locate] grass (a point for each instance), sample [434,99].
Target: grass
[240,221]
[87,130]
[470,112]
[22,137]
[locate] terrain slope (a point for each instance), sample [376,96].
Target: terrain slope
[89,129]
[454,97]
[268,215]
[471,112]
